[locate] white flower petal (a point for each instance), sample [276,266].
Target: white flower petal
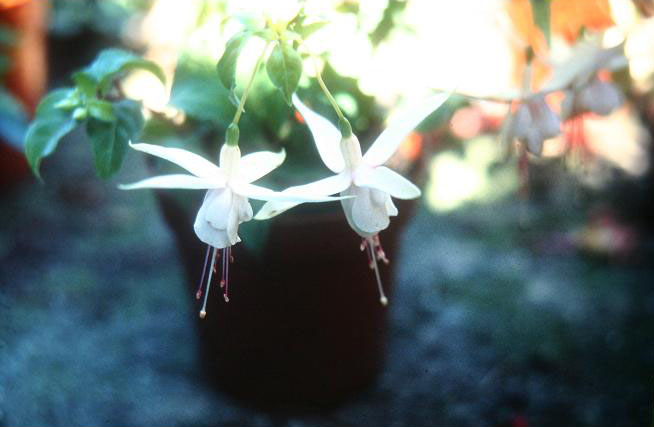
[325,135]
[197,165]
[260,193]
[323,187]
[207,233]
[219,205]
[173,181]
[391,138]
[366,217]
[254,166]
[386,180]
[232,223]
[391,209]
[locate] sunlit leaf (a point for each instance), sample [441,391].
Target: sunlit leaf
[108,64]
[284,68]
[227,64]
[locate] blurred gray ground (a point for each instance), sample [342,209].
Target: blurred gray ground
[489,325]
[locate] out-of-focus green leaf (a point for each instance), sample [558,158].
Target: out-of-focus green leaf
[540,10]
[110,139]
[13,120]
[107,65]
[50,125]
[284,68]
[387,23]
[227,64]
[101,110]
[197,92]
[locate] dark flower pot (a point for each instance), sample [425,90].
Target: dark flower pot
[304,325]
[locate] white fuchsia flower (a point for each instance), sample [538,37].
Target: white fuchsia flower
[362,176]
[225,205]
[532,123]
[597,96]
[578,76]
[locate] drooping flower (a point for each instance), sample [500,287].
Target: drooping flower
[532,123]
[362,176]
[578,77]
[225,205]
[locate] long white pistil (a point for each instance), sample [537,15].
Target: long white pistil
[203,312]
[373,264]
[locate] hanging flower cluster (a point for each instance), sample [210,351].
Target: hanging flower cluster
[361,182]
[533,121]
[364,185]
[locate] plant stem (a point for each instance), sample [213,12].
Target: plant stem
[343,123]
[246,92]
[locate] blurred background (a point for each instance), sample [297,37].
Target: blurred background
[522,290]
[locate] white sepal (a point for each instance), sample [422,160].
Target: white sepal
[254,166]
[325,135]
[391,138]
[386,180]
[323,187]
[197,165]
[174,181]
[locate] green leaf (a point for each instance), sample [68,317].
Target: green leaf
[306,30]
[101,110]
[284,68]
[107,65]
[227,64]
[49,126]
[197,92]
[110,139]
[540,10]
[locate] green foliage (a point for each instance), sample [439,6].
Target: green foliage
[227,64]
[49,126]
[541,14]
[97,77]
[284,68]
[110,121]
[13,119]
[110,138]
[198,93]
[300,26]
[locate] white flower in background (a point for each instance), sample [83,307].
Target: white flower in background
[532,123]
[578,76]
[225,205]
[597,97]
[362,176]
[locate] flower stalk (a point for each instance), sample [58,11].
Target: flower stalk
[246,92]
[343,124]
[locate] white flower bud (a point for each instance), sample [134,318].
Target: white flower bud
[599,97]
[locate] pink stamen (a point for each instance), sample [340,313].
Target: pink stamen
[374,249]
[381,255]
[227,258]
[198,293]
[222,277]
